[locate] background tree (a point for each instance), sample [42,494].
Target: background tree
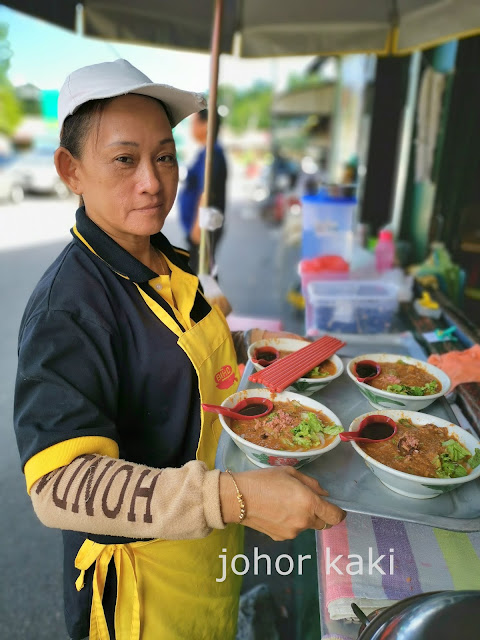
[248,108]
[10,110]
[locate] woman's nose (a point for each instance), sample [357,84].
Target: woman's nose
[149,178]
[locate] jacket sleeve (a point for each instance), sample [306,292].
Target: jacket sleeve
[101,495]
[66,392]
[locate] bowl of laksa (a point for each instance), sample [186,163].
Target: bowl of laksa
[297,430]
[426,457]
[313,380]
[404,382]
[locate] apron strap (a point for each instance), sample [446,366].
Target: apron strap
[127,608]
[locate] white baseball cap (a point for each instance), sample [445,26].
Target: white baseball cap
[110,79]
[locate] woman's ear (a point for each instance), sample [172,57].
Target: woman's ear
[67,168]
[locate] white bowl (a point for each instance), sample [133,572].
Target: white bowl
[386,399]
[305,386]
[405,483]
[264,457]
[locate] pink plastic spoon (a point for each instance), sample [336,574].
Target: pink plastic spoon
[365,370]
[247,409]
[265,356]
[375,428]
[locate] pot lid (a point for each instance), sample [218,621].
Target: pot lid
[441,615]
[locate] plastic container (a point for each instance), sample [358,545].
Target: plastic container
[384,251]
[350,306]
[322,268]
[328,225]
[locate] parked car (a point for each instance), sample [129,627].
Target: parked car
[37,172]
[11,189]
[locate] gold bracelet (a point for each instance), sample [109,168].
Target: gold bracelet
[241,502]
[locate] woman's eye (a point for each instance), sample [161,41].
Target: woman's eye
[123,159]
[170,159]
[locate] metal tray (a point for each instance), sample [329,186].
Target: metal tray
[349,482]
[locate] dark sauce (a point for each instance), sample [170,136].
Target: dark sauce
[268,356]
[377,430]
[253,410]
[365,370]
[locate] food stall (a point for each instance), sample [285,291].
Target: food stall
[424,545]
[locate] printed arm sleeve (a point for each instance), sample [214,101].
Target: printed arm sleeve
[101,495]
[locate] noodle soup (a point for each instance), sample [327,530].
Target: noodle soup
[295,454]
[424,450]
[404,382]
[452,455]
[405,379]
[289,427]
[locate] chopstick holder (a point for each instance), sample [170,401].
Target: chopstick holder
[280,374]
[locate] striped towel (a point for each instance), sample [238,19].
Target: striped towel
[417,559]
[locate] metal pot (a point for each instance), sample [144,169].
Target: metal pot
[440,615]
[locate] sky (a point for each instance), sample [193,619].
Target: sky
[44,55]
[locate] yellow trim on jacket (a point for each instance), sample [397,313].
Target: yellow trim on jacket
[62,453]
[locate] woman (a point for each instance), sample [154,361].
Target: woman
[117,350]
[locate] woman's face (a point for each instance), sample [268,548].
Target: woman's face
[128,172]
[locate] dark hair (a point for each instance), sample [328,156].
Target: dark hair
[203,116]
[76,127]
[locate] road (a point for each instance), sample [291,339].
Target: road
[255,272]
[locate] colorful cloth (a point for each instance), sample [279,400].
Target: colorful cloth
[416,559]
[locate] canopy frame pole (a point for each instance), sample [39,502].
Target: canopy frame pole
[205,257]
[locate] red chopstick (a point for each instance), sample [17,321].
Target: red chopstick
[300,363]
[287,377]
[294,372]
[280,374]
[313,350]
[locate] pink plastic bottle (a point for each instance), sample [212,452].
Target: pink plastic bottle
[384,251]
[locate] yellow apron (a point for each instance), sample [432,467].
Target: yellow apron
[167,590]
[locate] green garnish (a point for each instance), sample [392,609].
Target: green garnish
[316,373]
[455,450]
[475,459]
[449,468]
[407,390]
[431,387]
[406,422]
[398,457]
[401,362]
[457,471]
[396,388]
[332,429]
[305,433]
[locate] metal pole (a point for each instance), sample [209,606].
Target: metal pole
[204,251]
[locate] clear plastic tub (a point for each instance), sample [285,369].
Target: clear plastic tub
[328,225]
[350,306]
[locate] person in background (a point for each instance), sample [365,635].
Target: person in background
[190,195]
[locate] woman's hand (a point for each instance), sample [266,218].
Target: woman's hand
[280,501]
